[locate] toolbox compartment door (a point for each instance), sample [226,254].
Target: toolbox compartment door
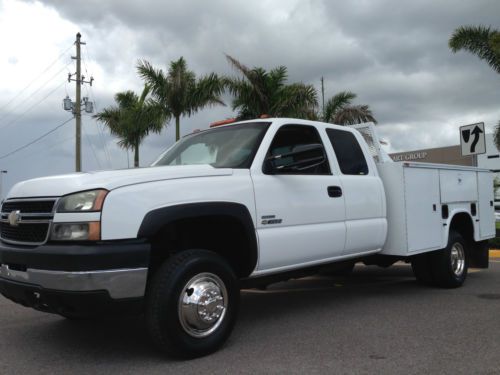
[486,207]
[424,223]
[458,186]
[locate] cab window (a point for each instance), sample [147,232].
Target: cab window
[348,152]
[290,136]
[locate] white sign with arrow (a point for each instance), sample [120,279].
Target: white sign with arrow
[472,139]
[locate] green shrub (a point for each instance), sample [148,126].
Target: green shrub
[495,243]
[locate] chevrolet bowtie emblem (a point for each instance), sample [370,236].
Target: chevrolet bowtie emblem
[14,218]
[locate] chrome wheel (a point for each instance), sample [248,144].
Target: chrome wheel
[202,305]
[457,257]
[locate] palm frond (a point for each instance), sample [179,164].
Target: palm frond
[133,118]
[255,76]
[296,100]
[145,93]
[155,78]
[207,91]
[336,103]
[496,136]
[354,114]
[126,99]
[495,43]
[479,40]
[178,91]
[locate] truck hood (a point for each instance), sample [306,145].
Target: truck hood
[54,186]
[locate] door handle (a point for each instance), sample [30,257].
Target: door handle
[334,191]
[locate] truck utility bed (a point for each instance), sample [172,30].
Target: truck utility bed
[421,198]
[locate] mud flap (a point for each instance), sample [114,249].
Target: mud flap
[479,254]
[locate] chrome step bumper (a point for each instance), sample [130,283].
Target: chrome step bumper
[119,283]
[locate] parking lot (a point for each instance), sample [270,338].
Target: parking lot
[376,321]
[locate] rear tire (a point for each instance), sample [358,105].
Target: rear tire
[192,303]
[450,265]
[446,268]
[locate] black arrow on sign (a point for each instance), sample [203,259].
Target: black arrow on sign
[477,131]
[466,135]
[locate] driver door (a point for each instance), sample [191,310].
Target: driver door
[300,214]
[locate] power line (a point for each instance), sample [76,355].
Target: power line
[34,92]
[36,140]
[30,108]
[100,131]
[47,147]
[92,147]
[35,79]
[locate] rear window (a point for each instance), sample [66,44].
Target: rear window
[349,154]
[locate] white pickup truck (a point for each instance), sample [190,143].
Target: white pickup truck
[240,205]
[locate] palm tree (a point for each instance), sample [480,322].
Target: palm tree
[133,119]
[479,40]
[483,42]
[496,135]
[260,92]
[339,110]
[178,91]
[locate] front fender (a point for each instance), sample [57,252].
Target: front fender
[125,208]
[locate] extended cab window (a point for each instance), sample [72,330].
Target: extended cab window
[290,136]
[349,154]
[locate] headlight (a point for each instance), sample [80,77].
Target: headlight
[90,231]
[85,201]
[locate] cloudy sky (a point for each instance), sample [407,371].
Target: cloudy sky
[392,53]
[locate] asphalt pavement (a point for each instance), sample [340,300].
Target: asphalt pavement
[378,321]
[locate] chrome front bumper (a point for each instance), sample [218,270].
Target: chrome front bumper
[119,283]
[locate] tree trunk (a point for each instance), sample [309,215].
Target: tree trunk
[136,155]
[177,128]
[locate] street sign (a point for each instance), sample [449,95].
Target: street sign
[472,140]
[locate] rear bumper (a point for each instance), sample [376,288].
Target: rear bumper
[76,279]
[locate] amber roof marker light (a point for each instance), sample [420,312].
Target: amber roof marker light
[222,122]
[231,120]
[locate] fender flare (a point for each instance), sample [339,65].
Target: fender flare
[156,219]
[479,250]
[452,215]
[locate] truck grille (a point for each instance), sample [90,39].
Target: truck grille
[28,206]
[26,233]
[31,220]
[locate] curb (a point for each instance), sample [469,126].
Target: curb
[494,253]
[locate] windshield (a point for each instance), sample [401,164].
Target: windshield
[232,146]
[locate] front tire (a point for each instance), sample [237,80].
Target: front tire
[192,303]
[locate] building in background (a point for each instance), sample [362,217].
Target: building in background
[442,155]
[453,155]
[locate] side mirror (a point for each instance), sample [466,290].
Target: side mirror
[302,157]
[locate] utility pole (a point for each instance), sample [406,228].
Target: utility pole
[76,107]
[1,184]
[323,97]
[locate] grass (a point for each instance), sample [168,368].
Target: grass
[497,224]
